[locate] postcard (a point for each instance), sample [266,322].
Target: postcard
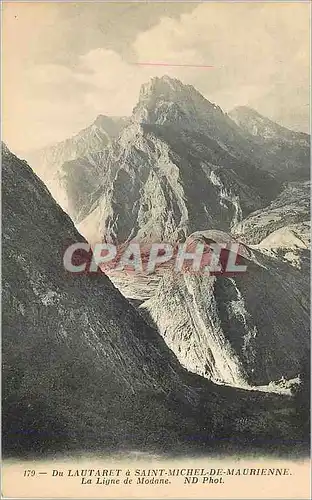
[156,250]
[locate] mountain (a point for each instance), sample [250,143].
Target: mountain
[82,371]
[249,329]
[259,126]
[180,165]
[167,101]
[283,152]
[79,363]
[52,164]
[91,139]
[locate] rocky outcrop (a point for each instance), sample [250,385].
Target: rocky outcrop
[238,330]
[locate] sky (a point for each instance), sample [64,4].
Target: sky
[63,63]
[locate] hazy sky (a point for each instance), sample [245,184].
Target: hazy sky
[65,63]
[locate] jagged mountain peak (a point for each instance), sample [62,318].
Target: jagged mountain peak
[243,115]
[166,100]
[71,184]
[4,149]
[258,125]
[280,149]
[164,83]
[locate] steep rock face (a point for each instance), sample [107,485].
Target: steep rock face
[72,184]
[80,365]
[283,151]
[291,209]
[181,165]
[237,330]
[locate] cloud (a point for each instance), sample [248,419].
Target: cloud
[251,46]
[259,53]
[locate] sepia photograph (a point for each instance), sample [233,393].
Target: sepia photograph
[156,249]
